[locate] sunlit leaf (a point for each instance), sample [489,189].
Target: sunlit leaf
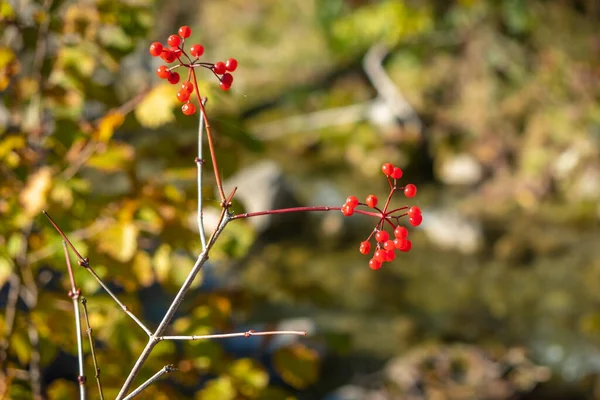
[298,365]
[6,266]
[108,124]
[162,262]
[142,268]
[157,107]
[33,196]
[249,377]
[120,241]
[218,389]
[114,159]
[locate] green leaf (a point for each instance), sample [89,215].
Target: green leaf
[120,241]
[298,365]
[218,389]
[249,377]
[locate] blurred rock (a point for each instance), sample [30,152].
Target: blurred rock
[450,230]
[261,187]
[461,169]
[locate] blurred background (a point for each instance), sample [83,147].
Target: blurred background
[492,108]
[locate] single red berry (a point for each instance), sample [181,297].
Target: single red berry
[387,169]
[219,68]
[365,247]
[163,72]
[347,211]
[405,246]
[397,173]
[390,255]
[382,236]
[183,95]
[185,31]
[415,220]
[156,49]
[410,190]
[168,55]
[414,210]
[379,255]
[173,78]
[371,200]
[188,108]
[352,201]
[224,86]
[374,264]
[400,232]
[174,41]
[196,50]
[398,243]
[389,245]
[231,64]
[227,79]
[187,86]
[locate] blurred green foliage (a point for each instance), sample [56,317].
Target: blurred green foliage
[89,134]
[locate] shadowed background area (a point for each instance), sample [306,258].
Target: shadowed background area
[491,108]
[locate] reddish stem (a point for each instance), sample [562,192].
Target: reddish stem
[300,209]
[211,146]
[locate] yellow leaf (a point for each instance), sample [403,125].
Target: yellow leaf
[142,268]
[6,266]
[120,241]
[113,159]
[33,196]
[162,262]
[108,124]
[157,107]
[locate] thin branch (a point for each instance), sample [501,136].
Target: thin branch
[92,348]
[85,262]
[74,294]
[199,164]
[35,376]
[224,219]
[231,335]
[165,370]
[301,209]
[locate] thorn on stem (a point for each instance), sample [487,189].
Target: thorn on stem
[81,379]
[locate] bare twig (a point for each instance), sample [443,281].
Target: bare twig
[85,262]
[165,370]
[200,164]
[92,348]
[232,335]
[74,294]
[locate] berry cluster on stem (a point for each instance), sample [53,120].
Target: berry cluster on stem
[385,245]
[174,51]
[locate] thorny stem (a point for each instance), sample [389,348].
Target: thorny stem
[164,370]
[92,348]
[74,294]
[211,145]
[199,164]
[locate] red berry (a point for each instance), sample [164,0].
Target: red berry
[410,190]
[185,31]
[374,264]
[156,49]
[188,109]
[347,211]
[379,255]
[365,247]
[398,243]
[187,86]
[414,210]
[387,169]
[196,50]
[405,246]
[415,220]
[390,255]
[227,79]
[174,41]
[400,232]
[397,173]
[352,201]
[219,68]
[224,86]
[163,72]
[389,245]
[173,78]
[371,200]
[382,236]
[168,55]
[183,95]
[231,64]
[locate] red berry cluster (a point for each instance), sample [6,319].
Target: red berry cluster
[175,51]
[386,247]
